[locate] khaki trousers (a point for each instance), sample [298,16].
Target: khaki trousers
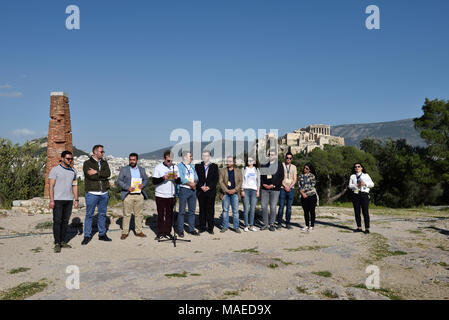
[133,203]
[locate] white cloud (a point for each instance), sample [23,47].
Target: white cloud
[5,86]
[24,132]
[14,94]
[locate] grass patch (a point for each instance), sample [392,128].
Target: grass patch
[330,294]
[345,231]
[285,263]
[442,248]
[417,231]
[383,291]
[301,290]
[305,248]
[18,270]
[197,251]
[44,225]
[36,250]
[231,293]
[24,290]
[182,275]
[1,228]
[273,266]
[379,248]
[325,274]
[250,250]
[176,275]
[444,264]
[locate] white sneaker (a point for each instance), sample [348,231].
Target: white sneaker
[305,229]
[311,229]
[253,229]
[246,229]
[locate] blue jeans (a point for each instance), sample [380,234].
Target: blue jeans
[283,198]
[232,200]
[249,204]
[92,201]
[186,197]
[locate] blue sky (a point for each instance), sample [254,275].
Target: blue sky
[138,69]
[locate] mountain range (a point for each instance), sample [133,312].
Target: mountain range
[353,134]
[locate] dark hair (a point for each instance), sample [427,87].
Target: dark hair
[353,168]
[167,153]
[288,154]
[133,154]
[256,162]
[64,153]
[96,147]
[311,167]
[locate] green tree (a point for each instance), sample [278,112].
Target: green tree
[434,128]
[333,166]
[22,172]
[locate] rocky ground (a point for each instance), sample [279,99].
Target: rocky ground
[410,248]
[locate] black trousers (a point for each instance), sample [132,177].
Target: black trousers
[361,200]
[164,215]
[61,217]
[308,205]
[207,210]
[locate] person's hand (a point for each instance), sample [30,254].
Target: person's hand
[52,205]
[271,186]
[76,204]
[362,183]
[303,194]
[266,186]
[92,171]
[131,189]
[204,188]
[243,193]
[140,186]
[287,189]
[257,194]
[166,177]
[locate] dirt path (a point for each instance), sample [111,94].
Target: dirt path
[411,251]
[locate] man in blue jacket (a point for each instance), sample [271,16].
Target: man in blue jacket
[132,180]
[187,194]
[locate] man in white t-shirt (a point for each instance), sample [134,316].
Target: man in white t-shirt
[165,177]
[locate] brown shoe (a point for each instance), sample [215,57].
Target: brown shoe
[141,235]
[123,237]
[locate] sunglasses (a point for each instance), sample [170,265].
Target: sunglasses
[357,166]
[69,159]
[289,158]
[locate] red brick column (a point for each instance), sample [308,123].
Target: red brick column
[59,132]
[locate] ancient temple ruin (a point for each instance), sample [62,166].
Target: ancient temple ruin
[309,138]
[59,132]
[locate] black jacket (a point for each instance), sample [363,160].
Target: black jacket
[98,181]
[211,180]
[276,179]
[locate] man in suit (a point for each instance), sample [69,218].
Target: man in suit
[132,180]
[230,180]
[207,181]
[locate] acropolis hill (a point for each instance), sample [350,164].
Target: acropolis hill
[309,138]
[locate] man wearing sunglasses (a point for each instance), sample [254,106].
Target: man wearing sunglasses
[96,183]
[63,189]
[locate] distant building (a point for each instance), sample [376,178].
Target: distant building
[306,139]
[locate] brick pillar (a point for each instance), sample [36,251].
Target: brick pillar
[59,132]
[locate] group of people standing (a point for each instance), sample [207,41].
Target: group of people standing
[273,182]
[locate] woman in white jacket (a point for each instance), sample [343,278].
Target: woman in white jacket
[360,183]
